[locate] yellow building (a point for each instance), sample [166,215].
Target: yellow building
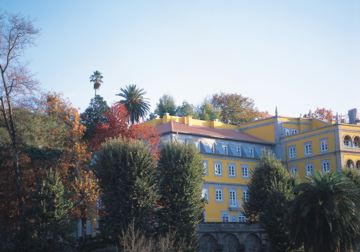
[304,145]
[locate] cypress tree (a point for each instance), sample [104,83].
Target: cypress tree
[125,169]
[271,192]
[180,174]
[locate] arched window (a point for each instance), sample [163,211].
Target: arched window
[347,141]
[357,141]
[350,164]
[358,164]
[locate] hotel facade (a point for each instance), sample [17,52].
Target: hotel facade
[230,153]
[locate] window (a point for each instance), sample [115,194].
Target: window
[242,217]
[294,131]
[232,170]
[205,194]
[245,196]
[252,152]
[225,149]
[218,195]
[347,141]
[238,150]
[350,164]
[205,167]
[309,170]
[307,149]
[218,168]
[225,217]
[245,171]
[232,198]
[213,148]
[325,166]
[292,151]
[323,145]
[287,132]
[293,171]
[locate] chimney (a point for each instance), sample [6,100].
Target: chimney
[353,116]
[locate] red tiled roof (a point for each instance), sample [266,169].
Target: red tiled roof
[175,127]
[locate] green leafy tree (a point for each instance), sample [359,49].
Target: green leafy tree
[135,103]
[186,109]
[324,215]
[271,191]
[234,108]
[96,79]
[93,115]
[125,170]
[207,112]
[166,105]
[180,174]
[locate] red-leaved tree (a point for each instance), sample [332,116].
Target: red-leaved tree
[117,125]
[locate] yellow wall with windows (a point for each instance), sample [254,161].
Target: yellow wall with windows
[308,130]
[313,137]
[225,161]
[215,208]
[316,161]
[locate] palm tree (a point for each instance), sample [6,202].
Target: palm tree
[96,78]
[324,216]
[134,101]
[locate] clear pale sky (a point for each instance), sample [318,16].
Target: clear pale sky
[293,54]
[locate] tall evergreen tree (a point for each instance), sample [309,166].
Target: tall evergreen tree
[93,115]
[325,216]
[271,191]
[135,102]
[180,174]
[125,170]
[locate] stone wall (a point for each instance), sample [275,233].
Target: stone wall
[232,237]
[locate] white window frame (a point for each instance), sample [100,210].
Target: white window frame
[294,171]
[309,170]
[232,170]
[213,148]
[225,149]
[246,196]
[225,217]
[325,166]
[252,152]
[245,171]
[205,167]
[218,168]
[308,149]
[292,151]
[287,132]
[219,194]
[232,198]
[324,146]
[242,218]
[205,194]
[238,150]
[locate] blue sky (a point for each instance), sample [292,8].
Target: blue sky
[297,55]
